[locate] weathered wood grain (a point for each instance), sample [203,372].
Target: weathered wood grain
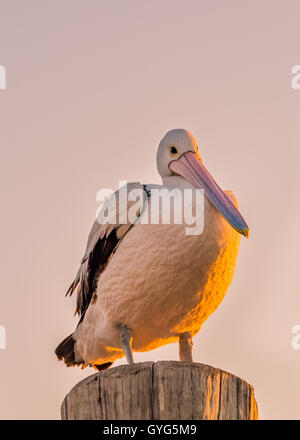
[165,390]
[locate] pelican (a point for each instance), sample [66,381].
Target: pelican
[141,286]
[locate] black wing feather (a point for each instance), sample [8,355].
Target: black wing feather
[90,269]
[98,250]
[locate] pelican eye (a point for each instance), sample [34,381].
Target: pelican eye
[173,150]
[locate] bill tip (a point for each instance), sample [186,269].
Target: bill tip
[246,232]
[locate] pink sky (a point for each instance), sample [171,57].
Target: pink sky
[91,89]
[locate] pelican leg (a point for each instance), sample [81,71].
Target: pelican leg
[185,347]
[125,336]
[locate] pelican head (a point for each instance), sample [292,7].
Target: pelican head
[178,155]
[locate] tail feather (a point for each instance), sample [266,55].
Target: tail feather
[102,367]
[65,351]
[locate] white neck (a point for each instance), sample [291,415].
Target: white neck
[176,182]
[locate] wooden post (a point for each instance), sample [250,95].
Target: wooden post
[165,390]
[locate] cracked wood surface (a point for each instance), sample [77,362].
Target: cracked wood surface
[165,390]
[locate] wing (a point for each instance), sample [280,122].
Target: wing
[104,238]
